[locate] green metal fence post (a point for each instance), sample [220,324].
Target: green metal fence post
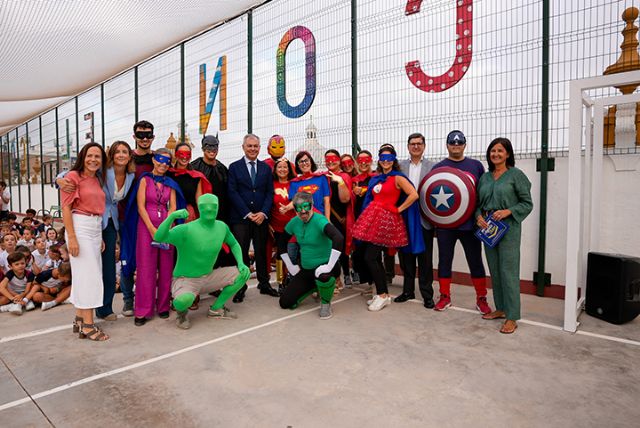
[102,112]
[41,165]
[135,92]
[355,147]
[27,178]
[18,170]
[544,164]
[250,71]
[57,151]
[182,96]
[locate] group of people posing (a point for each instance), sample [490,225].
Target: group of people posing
[186,227]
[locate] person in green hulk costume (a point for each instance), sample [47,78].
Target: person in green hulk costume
[198,244]
[320,244]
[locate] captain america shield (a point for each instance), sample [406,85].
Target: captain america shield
[447,197]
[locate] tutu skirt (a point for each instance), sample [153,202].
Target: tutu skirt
[380,226]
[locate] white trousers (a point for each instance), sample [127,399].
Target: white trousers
[86,268]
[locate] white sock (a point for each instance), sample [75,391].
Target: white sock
[49,305]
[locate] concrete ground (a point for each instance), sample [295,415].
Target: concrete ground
[402,367]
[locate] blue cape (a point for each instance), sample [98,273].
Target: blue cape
[129,233]
[411,215]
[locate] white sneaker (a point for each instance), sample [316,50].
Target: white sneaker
[49,305]
[6,308]
[30,306]
[16,309]
[379,302]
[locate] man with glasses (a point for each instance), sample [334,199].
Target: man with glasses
[456,143]
[320,244]
[250,193]
[416,167]
[216,172]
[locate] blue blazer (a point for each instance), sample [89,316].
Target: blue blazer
[111,207]
[244,197]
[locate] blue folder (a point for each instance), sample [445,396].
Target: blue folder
[493,233]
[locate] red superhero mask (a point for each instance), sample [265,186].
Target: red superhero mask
[347,163]
[330,158]
[183,154]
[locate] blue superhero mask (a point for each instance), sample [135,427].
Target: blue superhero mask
[387,157]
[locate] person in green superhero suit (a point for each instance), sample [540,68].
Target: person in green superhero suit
[198,244]
[320,244]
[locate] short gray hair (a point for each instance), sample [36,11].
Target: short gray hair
[248,136]
[302,197]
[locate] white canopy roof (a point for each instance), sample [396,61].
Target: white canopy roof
[51,50]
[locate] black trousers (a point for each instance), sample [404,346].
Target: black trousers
[424,262]
[302,284]
[245,233]
[373,261]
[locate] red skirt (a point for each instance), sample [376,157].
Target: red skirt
[381,227]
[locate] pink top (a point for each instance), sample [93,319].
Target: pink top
[88,197]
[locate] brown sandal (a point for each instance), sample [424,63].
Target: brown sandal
[494,315]
[76,324]
[508,327]
[94,334]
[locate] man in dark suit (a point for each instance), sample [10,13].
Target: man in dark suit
[416,167]
[250,193]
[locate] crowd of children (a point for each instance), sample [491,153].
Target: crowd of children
[34,264]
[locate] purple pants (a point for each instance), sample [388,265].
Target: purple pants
[154,273]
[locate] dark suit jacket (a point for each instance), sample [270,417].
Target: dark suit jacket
[246,198]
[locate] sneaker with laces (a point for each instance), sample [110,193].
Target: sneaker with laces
[30,306]
[222,313]
[379,303]
[443,303]
[347,281]
[325,311]
[182,321]
[482,306]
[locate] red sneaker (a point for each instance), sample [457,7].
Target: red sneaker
[443,303]
[482,306]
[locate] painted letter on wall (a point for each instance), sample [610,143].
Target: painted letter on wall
[464,21]
[206,107]
[306,36]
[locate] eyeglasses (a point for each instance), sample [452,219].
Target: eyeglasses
[144,135]
[303,207]
[303,161]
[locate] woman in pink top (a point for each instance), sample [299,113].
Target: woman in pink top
[82,212]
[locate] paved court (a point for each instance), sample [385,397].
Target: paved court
[403,367]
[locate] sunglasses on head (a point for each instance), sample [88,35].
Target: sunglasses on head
[144,135]
[304,206]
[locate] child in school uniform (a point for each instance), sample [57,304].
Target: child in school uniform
[53,286]
[40,256]
[16,287]
[27,239]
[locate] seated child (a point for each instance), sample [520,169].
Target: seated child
[46,224]
[27,255]
[15,289]
[52,237]
[55,258]
[9,244]
[52,287]
[27,239]
[40,256]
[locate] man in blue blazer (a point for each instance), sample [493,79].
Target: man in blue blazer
[250,195]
